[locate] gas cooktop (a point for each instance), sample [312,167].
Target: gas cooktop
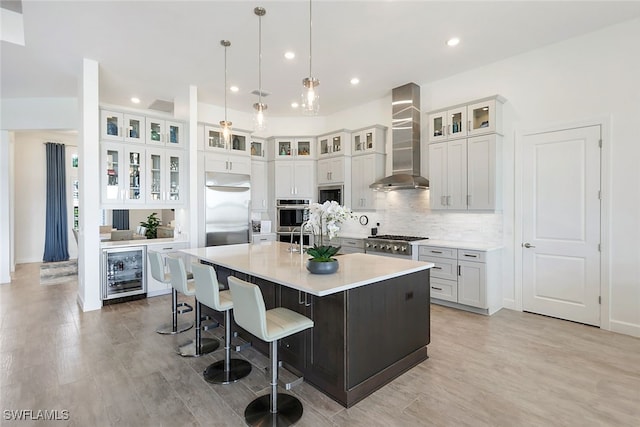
[396,237]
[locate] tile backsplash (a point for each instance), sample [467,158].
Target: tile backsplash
[408,213]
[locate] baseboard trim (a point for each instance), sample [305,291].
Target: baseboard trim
[625,328]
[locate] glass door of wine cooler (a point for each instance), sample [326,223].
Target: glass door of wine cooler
[124,272]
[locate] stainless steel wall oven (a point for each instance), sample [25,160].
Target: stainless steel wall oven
[290,214]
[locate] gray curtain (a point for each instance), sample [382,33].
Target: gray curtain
[120,219]
[56,245]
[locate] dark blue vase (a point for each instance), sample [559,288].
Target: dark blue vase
[319,267]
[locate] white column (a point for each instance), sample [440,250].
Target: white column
[5,209]
[194,189]
[89,184]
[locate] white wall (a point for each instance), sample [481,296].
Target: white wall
[588,77]
[39,113]
[30,178]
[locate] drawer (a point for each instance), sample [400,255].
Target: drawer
[352,243]
[444,289]
[469,255]
[259,238]
[438,252]
[443,268]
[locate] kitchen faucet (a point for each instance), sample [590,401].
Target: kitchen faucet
[293,230]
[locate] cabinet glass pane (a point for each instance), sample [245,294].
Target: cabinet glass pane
[238,143]
[156,131]
[357,143]
[284,148]
[156,177]
[336,144]
[304,148]
[113,126]
[369,139]
[438,125]
[134,175]
[133,129]
[113,170]
[456,123]
[174,178]
[256,148]
[480,117]
[174,134]
[324,146]
[214,140]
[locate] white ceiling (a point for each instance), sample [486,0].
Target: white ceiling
[156,49]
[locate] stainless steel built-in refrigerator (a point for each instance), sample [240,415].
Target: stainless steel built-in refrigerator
[228,208]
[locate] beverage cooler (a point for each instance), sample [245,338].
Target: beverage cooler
[124,272]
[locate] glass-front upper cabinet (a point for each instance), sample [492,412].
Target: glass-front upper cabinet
[165,132]
[448,124]
[475,118]
[112,163]
[213,140]
[135,189]
[258,147]
[369,140]
[116,126]
[165,177]
[331,145]
[485,116]
[174,161]
[154,183]
[289,148]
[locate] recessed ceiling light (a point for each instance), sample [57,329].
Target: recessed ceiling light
[135,100]
[289,55]
[453,41]
[234,88]
[355,81]
[294,105]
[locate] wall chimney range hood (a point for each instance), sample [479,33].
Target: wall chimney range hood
[405,135]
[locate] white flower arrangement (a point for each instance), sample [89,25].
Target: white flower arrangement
[326,218]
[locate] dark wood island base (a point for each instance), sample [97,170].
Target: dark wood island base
[362,338]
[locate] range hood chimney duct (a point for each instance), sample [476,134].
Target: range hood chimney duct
[405,132]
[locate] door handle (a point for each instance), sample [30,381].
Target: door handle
[527,245]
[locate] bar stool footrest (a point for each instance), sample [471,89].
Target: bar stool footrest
[187,308]
[238,343]
[258,413]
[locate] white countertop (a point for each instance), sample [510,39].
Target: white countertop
[141,242]
[474,246]
[271,261]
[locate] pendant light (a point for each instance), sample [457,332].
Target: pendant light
[225,125]
[310,99]
[259,120]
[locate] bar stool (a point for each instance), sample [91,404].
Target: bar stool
[208,293]
[157,272]
[199,346]
[269,325]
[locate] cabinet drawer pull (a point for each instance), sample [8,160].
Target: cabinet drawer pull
[167,249]
[471,256]
[437,289]
[436,252]
[437,268]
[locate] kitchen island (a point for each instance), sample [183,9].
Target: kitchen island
[371,317]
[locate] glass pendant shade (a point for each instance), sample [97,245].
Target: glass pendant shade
[310,98]
[259,118]
[225,125]
[225,131]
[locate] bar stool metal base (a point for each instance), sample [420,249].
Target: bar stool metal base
[258,413]
[189,349]
[216,374]
[168,329]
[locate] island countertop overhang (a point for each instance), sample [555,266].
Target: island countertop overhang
[272,261]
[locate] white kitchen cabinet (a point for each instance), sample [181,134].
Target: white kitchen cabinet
[333,144]
[448,124]
[477,117]
[123,174]
[464,278]
[238,145]
[464,174]
[258,148]
[154,287]
[165,178]
[365,170]
[259,186]
[448,175]
[331,171]
[349,245]
[369,140]
[294,148]
[165,132]
[118,126]
[295,179]
[227,163]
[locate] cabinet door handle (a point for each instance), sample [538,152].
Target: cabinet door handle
[437,289]
[436,252]
[448,129]
[471,256]
[443,201]
[230,165]
[226,165]
[459,270]
[437,268]
[448,200]
[300,298]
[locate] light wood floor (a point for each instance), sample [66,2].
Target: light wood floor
[109,368]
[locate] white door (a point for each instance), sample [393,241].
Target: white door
[561,224]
